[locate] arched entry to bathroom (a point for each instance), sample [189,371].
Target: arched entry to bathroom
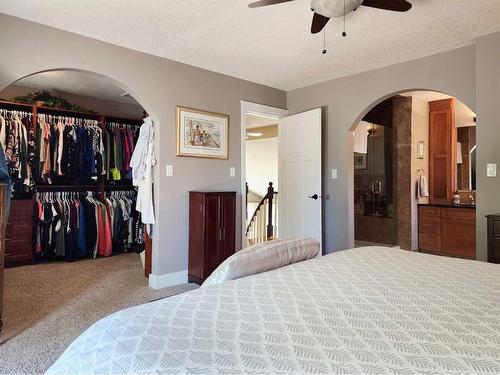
[392,151]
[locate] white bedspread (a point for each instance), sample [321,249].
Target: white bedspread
[368,310]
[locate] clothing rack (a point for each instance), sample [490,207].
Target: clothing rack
[81,224]
[100,189]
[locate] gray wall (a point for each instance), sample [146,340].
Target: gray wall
[106,107]
[487,131]
[158,85]
[347,100]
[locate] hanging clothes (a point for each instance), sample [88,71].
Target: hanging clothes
[69,150]
[70,226]
[16,141]
[120,145]
[142,162]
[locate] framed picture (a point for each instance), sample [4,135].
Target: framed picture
[420,150]
[360,161]
[202,134]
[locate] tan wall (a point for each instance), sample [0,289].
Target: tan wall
[158,85]
[420,132]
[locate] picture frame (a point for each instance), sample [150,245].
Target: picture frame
[360,161]
[420,149]
[202,134]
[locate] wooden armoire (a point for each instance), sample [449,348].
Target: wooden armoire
[212,232]
[442,152]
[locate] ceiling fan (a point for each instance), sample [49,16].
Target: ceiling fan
[326,9]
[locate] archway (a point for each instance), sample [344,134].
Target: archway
[397,208]
[99,92]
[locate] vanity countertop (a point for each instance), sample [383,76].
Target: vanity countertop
[461,205]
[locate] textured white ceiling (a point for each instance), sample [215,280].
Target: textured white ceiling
[254,121]
[269,45]
[78,83]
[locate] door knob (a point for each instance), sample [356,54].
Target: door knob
[315,196]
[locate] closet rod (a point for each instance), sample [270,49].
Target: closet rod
[15,105]
[127,121]
[51,188]
[119,187]
[67,112]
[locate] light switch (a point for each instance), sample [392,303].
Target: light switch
[334,174]
[170,170]
[491,170]
[232,172]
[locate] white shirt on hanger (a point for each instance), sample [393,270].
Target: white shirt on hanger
[142,164]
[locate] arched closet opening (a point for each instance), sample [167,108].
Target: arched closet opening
[75,243]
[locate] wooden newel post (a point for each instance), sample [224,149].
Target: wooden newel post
[270,196]
[246,200]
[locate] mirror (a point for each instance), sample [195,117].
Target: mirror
[466,158]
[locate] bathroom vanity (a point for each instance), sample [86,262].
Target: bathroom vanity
[446,229]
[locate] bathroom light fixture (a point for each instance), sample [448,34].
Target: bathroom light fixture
[255,134]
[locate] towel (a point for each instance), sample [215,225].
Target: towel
[361,138]
[459,153]
[422,187]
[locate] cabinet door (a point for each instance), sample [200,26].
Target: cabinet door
[213,233]
[196,256]
[228,226]
[18,235]
[442,151]
[459,232]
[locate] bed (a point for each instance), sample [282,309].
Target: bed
[359,311]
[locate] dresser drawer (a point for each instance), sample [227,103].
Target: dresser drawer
[429,243]
[430,225]
[459,214]
[495,228]
[424,211]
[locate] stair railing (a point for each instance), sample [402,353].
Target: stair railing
[262,226]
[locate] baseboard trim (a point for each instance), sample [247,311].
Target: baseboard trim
[169,279]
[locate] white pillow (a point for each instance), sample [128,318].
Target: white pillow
[263,257]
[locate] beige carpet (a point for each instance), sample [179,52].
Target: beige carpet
[48,305]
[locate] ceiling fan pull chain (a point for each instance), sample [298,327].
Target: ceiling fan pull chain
[343,32]
[324,42]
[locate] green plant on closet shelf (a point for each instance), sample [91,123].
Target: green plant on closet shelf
[49,100]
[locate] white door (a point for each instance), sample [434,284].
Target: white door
[299,171]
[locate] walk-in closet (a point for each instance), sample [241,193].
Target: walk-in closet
[68,139]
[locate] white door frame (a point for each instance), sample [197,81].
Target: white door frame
[249,108]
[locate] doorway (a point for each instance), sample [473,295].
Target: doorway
[294,209]
[407,149]
[259,172]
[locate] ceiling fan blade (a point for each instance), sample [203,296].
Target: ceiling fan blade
[263,3]
[394,5]
[318,23]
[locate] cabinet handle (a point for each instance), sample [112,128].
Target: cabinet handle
[220,234]
[224,233]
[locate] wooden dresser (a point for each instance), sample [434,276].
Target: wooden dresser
[493,238]
[447,230]
[212,232]
[18,240]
